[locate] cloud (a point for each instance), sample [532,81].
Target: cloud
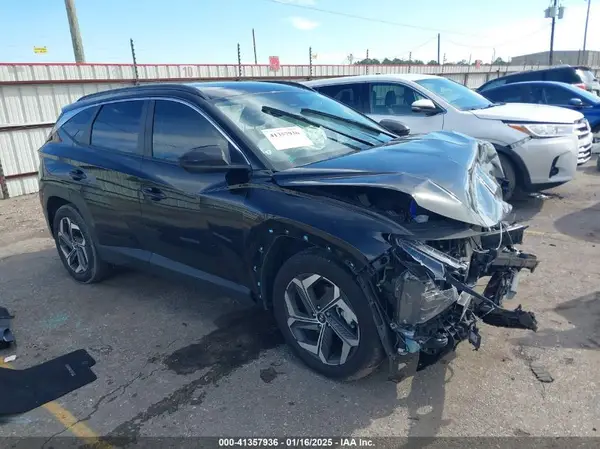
[303,23]
[298,2]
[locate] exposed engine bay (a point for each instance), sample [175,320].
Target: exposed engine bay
[450,233]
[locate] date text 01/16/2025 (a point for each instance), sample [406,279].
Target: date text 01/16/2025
[295,442]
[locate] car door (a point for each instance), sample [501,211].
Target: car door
[559,96]
[105,178]
[193,222]
[394,101]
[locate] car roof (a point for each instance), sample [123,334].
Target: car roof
[371,78]
[207,90]
[544,83]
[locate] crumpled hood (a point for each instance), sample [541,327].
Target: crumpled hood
[533,113]
[447,173]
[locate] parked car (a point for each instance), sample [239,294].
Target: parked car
[538,145]
[363,243]
[578,76]
[555,94]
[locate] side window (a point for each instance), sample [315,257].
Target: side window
[507,94]
[117,126]
[392,99]
[556,95]
[494,83]
[177,129]
[77,125]
[349,94]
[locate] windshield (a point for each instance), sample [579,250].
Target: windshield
[457,95]
[298,127]
[584,94]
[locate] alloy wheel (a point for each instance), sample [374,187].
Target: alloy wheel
[321,319]
[73,245]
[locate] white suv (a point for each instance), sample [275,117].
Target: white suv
[538,144]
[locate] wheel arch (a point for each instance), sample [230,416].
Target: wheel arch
[281,241]
[521,172]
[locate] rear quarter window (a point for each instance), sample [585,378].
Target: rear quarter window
[567,75]
[77,126]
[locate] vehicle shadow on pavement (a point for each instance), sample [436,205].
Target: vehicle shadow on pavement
[583,319]
[525,208]
[583,224]
[591,170]
[137,326]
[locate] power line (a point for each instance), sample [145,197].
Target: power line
[498,44]
[370,19]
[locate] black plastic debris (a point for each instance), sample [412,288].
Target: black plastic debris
[24,390]
[541,373]
[6,336]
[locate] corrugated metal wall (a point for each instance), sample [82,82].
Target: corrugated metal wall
[32,95]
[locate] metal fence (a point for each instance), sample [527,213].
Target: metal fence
[32,96]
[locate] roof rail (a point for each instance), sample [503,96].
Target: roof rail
[139,86]
[290,83]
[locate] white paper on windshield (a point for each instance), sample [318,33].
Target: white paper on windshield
[286,138]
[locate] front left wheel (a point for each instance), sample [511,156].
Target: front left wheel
[76,247]
[325,317]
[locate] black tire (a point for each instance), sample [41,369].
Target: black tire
[513,188]
[368,354]
[95,269]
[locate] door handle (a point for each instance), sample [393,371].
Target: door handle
[77,174]
[153,193]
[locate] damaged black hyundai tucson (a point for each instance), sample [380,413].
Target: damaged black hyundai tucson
[364,242]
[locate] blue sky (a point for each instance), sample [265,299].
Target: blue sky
[207,31]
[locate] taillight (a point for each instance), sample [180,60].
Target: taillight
[580,85]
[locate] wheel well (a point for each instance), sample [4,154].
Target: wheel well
[282,249]
[519,175]
[596,129]
[54,203]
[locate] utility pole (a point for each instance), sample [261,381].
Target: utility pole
[310,71]
[552,33]
[554,12]
[239,51]
[254,45]
[75,34]
[587,18]
[135,70]
[438,48]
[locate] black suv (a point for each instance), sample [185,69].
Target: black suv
[363,243]
[579,76]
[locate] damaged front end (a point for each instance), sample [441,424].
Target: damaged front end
[431,292]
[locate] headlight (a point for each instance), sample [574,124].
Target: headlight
[543,130]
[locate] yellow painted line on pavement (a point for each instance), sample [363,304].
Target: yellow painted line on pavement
[70,422]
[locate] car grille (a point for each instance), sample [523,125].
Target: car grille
[583,131]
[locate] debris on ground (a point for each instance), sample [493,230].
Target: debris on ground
[10,358]
[541,373]
[6,336]
[268,374]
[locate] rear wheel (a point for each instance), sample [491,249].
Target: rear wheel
[325,318]
[76,247]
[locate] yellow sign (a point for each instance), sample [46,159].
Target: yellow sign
[39,50]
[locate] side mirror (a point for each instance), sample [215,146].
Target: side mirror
[424,105]
[207,158]
[395,127]
[576,102]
